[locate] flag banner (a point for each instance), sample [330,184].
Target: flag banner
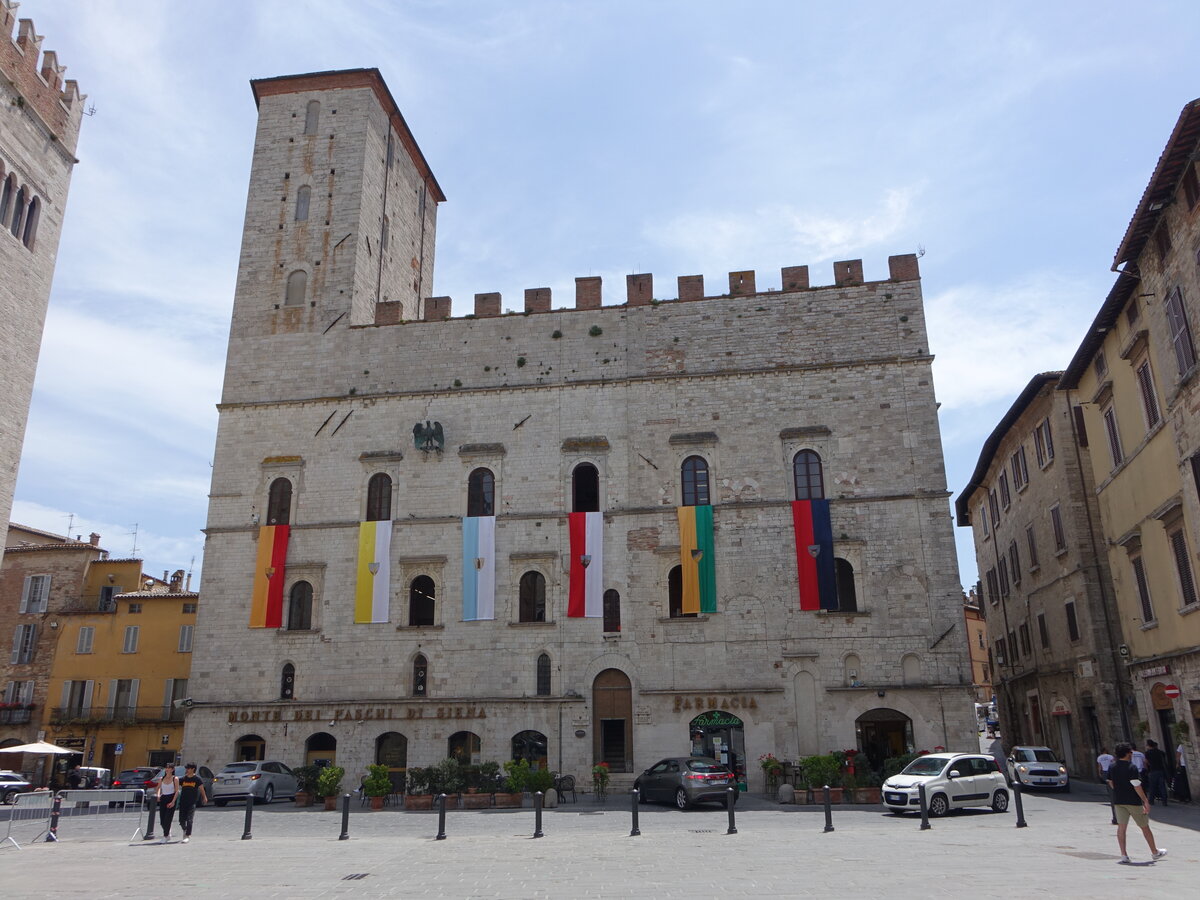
[373,590]
[818,590]
[586,594]
[266,598]
[479,568]
[697,559]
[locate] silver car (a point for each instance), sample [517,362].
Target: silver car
[684,780]
[264,780]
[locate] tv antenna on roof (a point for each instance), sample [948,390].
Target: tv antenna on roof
[70,517]
[134,551]
[90,111]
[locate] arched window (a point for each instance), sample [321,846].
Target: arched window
[249,747]
[379,497]
[481,493]
[10,185]
[585,488]
[420,676]
[853,669]
[303,196]
[312,115]
[297,284]
[287,682]
[533,597]
[31,222]
[18,216]
[910,668]
[843,576]
[806,471]
[543,675]
[675,594]
[300,607]
[421,601]
[463,746]
[612,610]
[695,481]
[531,746]
[279,502]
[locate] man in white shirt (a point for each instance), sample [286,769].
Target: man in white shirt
[1104,762]
[1139,761]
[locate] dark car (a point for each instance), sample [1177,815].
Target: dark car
[684,780]
[143,777]
[11,784]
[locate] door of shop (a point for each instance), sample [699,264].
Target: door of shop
[721,736]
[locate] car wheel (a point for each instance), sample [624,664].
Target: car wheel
[9,797]
[1000,801]
[681,798]
[269,793]
[938,806]
[642,798]
[220,802]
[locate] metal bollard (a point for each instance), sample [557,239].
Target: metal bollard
[537,814]
[730,799]
[636,796]
[1021,823]
[149,835]
[441,835]
[828,812]
[924,807]
[345,835]
[246,835]
[55,811]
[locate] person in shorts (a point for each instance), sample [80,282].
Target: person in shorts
[1130,802]
[191,795]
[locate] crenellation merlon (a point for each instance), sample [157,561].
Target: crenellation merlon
[38,79]
[640,288]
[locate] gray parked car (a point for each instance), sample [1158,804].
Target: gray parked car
[684,780]
[264,780]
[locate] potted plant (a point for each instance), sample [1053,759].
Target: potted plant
[377,785]
[417,785]
[869,788]
[600,776]
[772,770]
[821,771]
[447,778]
[543,780]
[306,784]
[517,772]
[329,785]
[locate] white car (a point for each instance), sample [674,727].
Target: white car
[1038,767]
[952,781]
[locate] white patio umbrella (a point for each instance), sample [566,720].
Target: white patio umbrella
[38,748]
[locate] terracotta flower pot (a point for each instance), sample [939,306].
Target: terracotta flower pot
[477,801]
[418,801]
[331,803]
[509,801]
[303,798]
[868,795]
[377,802]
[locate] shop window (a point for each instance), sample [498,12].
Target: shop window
[530,746]
[464,746]
[481,493]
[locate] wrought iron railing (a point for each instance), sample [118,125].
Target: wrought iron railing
[99,715]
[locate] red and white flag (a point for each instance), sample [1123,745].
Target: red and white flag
[586,596]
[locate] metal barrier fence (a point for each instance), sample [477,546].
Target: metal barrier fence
[29,818]
[41,813]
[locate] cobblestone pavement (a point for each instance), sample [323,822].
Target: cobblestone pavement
[1068,850]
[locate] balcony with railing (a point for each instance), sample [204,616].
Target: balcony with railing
[89,605]
[16,713]
[119,715]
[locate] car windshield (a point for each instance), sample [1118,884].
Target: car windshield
[240,767]
[700,765]
[925,765]
[1041,755]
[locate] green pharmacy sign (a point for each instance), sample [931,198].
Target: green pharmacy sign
[716,718]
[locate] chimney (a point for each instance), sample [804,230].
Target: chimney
[94,539]
[177,581]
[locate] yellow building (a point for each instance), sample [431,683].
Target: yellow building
[1134,386]
[977,648]
[123,657]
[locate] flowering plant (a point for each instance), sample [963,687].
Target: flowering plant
[770,763]
[600,774]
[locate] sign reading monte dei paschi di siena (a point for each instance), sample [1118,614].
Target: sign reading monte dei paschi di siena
[613,533]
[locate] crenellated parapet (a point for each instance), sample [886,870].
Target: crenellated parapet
[639,289]
[37,77]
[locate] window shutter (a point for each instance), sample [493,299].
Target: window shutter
[41,589]
[168,697]
[66,695]
[87,696]
[26,693]
[112,696]
[25,591]
[133,695]
[16,650]
[10,692]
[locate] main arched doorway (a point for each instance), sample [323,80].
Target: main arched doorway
[612,726]
[391,750]
[883,733]
[320,749]
[720,735]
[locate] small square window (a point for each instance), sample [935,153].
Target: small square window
[135,608]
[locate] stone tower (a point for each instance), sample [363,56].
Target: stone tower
[341,212]
[39,128]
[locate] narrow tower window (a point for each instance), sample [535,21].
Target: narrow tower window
[481,493]
[303,195]
[379,497]
[806,470]
[297,284]
[312,116]
[695,481]
[279,502]
[585,488]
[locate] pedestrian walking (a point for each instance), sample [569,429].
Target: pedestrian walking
[74,778]
[1181,787]
[1130,802]
[168,795]
[191,794]
[1139,760]
[1156,772]
[1104,762]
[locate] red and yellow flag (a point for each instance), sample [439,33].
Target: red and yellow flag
[266,600]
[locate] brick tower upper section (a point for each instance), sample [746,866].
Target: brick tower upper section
[342,207]
[36,79]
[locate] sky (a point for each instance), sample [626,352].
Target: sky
[1009,142]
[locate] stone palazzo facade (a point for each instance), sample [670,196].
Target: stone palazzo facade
[411,513]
